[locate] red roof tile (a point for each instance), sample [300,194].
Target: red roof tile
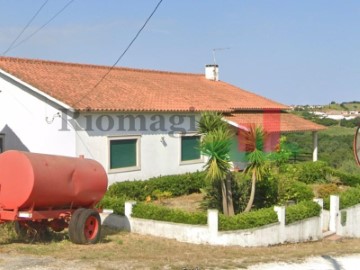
[126,89]
[274,121]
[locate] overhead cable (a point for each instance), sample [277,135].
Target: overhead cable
[25,27]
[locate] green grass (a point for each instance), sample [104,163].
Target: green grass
[338,131]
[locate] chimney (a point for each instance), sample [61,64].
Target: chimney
[212,72]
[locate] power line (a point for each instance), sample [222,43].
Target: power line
[41,27]
[124,52]
[25,27]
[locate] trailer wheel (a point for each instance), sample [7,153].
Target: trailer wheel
[89,227]
[30,231]
[20,229]
[73,233]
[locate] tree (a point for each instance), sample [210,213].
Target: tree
[254,140]
[216,145]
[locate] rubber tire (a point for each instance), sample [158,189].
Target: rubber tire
[81,227]
[73,234]
[20,230]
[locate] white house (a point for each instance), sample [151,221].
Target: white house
[136,123]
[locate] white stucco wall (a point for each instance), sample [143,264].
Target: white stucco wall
[271,234]
[23,121]
[159,149]
[351,226]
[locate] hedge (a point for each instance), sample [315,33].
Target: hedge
[177,185]
[347,198]
[248,220]
[117,204]
[302,210]
[156,212]
[347,178]
[241,221]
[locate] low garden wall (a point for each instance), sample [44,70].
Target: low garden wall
[305,230]
[343,222]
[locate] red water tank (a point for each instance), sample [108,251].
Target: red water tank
[39,181]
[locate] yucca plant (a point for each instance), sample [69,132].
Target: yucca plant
[216,145]
[254,140]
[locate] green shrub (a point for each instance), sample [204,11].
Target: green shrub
[177,185]
[265,195]
[291,190]
[114,203]
[347,179]
[302,210]
[248,220]
[313,172]
[156,212]
[347,198]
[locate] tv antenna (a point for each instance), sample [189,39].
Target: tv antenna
[218,49]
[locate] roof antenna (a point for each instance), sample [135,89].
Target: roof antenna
[218,49]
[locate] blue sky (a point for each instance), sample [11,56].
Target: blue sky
[294,52]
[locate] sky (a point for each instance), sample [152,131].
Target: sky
[293,52]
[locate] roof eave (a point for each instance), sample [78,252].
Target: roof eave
[37,91]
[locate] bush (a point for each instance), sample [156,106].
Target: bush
[156,212]
[292,190]
[313,172]
[265,195]
[177,185]
[347,179]
[248,220]
[300,211]
[349,198]
[114,203]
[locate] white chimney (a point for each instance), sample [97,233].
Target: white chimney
[212,72]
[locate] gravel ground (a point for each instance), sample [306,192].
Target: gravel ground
[351,262]
[15,262]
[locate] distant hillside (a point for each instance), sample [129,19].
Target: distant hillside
[344,106]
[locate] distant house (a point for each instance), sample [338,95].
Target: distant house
[137,123]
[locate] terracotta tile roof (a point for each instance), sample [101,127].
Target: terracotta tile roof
[126,89]
[274,121]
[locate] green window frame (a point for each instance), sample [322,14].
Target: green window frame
[190,151]
[124,154]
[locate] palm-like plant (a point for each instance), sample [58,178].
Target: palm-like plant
[254,140]
[216,145]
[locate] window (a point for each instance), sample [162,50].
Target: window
[124,154]
[2,137]
[190,151]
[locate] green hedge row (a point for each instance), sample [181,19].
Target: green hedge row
[347,198]
[248,220]
[302,210]
[347,179]
[117,204]
[177,185]
[241,221]
[156,212]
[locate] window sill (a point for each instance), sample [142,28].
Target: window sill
[189,162]
[122,170]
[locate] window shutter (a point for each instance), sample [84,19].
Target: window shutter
[190,148]
[122,153]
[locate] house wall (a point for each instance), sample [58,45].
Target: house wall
[23,121]
[160,143]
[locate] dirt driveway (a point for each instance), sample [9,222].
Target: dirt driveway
[121,250]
